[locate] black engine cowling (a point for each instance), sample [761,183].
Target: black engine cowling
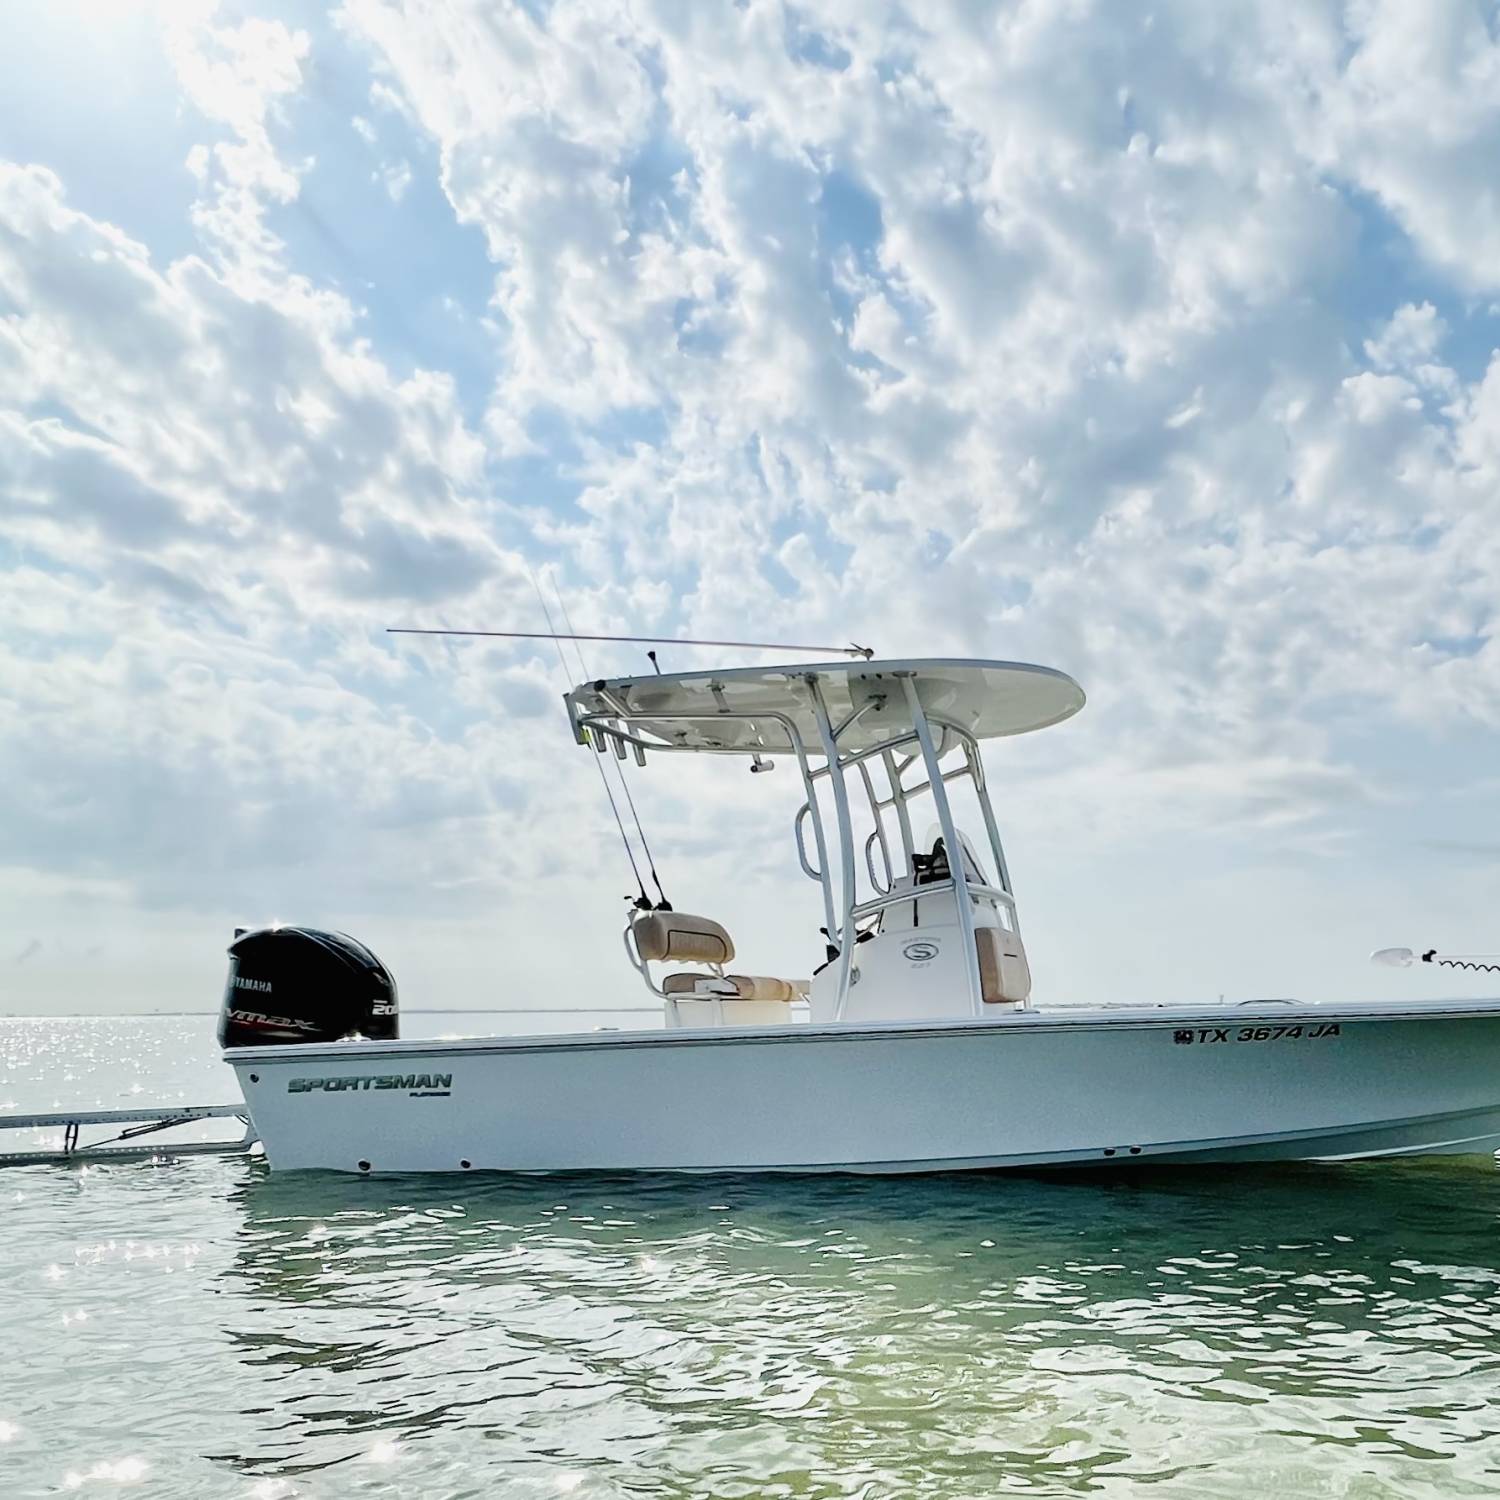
[296,984]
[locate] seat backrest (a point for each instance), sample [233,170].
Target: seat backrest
[680,937]
[1004,974]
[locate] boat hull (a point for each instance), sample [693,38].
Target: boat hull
[1038,1089]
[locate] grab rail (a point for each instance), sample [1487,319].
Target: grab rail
[934,888]
[807,869]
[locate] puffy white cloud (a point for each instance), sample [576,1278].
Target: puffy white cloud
[1414,118]
[1409,340]
[237,76]
[215,501]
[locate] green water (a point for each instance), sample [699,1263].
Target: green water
[204,1329]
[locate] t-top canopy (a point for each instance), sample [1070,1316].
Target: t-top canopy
[687,710]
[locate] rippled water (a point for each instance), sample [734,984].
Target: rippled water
[204,1329]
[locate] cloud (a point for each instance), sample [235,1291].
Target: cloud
[1413,117]
[222,486]
[1410,340]
[395,177]
[238,76]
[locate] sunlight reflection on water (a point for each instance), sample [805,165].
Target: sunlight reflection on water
[212,1330]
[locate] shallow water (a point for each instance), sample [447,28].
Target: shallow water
[203,1329]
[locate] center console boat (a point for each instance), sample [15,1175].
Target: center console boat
[915,1046]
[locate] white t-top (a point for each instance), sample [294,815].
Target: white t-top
[989,699]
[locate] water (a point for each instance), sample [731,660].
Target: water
[202,1329]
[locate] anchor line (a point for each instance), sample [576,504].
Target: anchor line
[645,901]
[640,831]
[1475,965]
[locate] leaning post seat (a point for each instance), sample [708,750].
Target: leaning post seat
[736,987]
[680,937]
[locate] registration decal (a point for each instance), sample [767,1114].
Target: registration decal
[1206,1035]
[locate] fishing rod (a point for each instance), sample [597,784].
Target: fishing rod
[1404,958]
[638,640]
[640,831]
[643,902]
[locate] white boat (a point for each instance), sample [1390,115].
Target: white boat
[916,1047]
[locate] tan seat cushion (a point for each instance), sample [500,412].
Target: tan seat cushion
[684,984]
[680,937]
[1004,974]
[760,987]
[735,987]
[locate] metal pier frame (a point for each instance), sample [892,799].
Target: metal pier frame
[127,1144]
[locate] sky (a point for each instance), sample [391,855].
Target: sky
[1153,342]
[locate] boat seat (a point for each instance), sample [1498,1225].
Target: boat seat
[680,937]
[1004,974]
[734,987]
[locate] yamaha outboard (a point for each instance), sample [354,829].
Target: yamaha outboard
[296,984]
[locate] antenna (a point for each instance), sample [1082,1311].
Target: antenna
[642,640]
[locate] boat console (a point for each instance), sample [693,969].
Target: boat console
[911,963]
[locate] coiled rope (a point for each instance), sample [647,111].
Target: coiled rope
[1475,962]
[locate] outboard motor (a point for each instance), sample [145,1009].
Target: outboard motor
[296,984]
